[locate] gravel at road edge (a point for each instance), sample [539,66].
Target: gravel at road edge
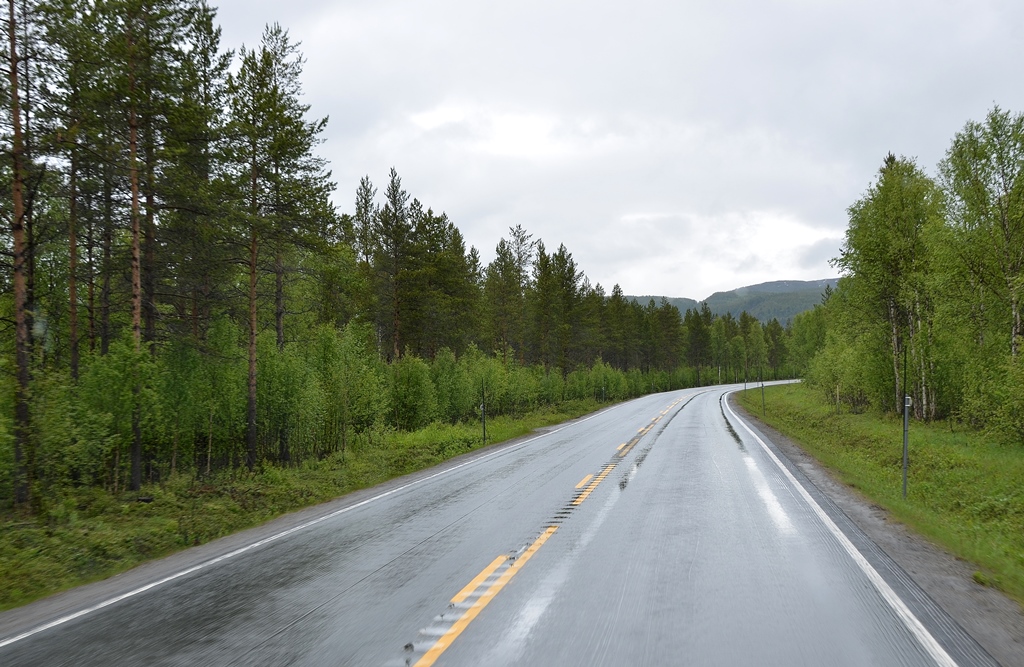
[993,619]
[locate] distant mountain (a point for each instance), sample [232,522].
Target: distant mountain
[781,299]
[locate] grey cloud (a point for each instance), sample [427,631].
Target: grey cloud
[820,254]
[716,110]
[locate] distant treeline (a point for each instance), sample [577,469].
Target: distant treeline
[181,296]
[930,305]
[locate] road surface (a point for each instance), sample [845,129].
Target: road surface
[662,531]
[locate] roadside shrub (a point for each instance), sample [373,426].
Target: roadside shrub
[413,400]
[452,387]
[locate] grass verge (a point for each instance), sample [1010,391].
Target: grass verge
[965,489]
[87,534]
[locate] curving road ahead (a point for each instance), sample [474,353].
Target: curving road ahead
[663,531]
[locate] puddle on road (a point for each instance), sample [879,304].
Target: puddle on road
[728,425]
[628,477]
[642,456]
[771,502]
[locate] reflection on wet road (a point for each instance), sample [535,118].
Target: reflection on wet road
[660,531]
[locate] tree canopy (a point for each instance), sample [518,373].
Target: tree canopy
[929,303]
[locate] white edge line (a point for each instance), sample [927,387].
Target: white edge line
[921,633]
[231,554]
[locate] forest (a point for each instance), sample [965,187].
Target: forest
[930,302]
[181,298]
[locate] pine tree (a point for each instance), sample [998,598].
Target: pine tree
[193,230]
[273,170]
[616,329]
[23,451]
[393,234]
[698,337]
[365,221]
[504,302]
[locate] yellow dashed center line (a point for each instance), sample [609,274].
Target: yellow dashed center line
[593,485]
[447,638]
[626,447]
[478,579]
[584,481]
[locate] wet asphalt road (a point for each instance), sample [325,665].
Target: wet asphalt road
[657,532]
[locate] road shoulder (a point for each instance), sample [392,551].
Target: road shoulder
[993,619]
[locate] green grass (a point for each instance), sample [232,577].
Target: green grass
[965,489]
[87,534]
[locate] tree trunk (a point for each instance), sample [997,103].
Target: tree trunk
[174,454]
[107,263]
[73,264]
[133,172]
[25,114]
[30,259]
[136,482]
[344,436]
[981,316]
[251,407]
[90,298]
[927,407]
[195,313]
[1015,323]
[253,276]
[395,315]
[279,298]
[23,450]
[149,266]
[283,452]
[209,443]
[136,236]
[896,349]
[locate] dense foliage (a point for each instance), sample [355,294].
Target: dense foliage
[930,303]
[182,297]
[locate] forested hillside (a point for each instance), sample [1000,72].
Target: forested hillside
[781,300]
[181,297]
[778,300]
[930,302]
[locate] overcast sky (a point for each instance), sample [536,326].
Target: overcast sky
[675,147]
